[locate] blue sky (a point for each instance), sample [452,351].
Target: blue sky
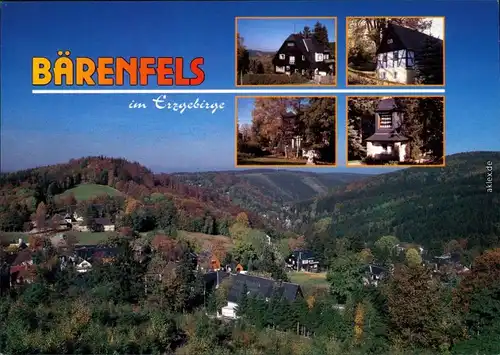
[269,34]
[39,129]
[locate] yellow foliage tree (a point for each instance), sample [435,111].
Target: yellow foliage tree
[359,321]
[413,258]
[242,219]
[366,255]
[239,231]
[131,205]
[310,301]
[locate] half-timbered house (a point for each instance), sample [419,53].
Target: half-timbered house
[402,50]
[304,55]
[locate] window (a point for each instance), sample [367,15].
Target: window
[396,58]
[290,44]
[303,57]
[292,59]
[382,75]
[384,60]
[410,59]
[384,146]
[282,56]
[389,41]
[287,67]
[319,57]
[385,121]
[326,56]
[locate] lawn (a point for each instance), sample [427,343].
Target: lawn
[85,192]
[270,161]
[205,240]
[310,280]
[276,161]
[91,238]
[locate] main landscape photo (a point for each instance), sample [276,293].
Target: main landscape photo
[204,218]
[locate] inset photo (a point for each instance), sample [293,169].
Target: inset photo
[398,51]
[407,131]
[291,51]
[285,131]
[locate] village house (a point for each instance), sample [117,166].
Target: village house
[302,260]
[212,280]
[387,143]
[374,274]
[304,55]
[234,268]
[403,247]
[206,261]
[257,287]
[400,53]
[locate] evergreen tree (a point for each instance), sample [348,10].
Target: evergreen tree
[430,70]
[242,308]
[306,32]
[321,33]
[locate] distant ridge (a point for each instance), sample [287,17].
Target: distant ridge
[424,205]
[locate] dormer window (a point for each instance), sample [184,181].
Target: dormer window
[282,56]
[385,121]
[319,57]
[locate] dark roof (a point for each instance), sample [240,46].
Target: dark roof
[262,288]
[376,270]
[308,45]
[388,104]
[23,256]
[304,254]
[210,278]
[387,137]
[103,221]
[412,39]
[289,114]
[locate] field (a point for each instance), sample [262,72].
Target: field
[270,161]
[310,280]
[87,191]
[90,238]
[205,240]
[87,238]
[274,161]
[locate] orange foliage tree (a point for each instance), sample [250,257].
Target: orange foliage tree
[40,215]
[485,271]
[218,249]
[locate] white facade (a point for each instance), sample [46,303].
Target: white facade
[84,266]
[229,311]
[397,66]
[396,149]
[109,228]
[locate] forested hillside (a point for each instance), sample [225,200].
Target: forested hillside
[22,191]
[267,191]
[424,205]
